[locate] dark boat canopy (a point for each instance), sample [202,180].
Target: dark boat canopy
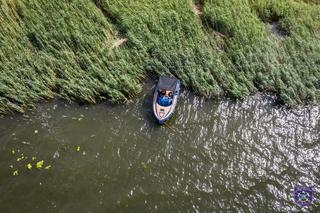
[168,83]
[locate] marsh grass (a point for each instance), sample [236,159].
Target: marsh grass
[67,49]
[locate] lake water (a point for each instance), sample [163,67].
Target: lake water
[213,156]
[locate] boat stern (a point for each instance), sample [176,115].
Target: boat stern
[161,113]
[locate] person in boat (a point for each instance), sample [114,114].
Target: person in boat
[165,98]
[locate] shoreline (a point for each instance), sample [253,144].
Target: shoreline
[147,97]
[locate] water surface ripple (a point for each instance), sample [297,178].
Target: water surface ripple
[215,156]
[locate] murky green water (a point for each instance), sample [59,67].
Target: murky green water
[218,156]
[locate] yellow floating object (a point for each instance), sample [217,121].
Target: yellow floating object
[13,152]
[48,167]
[15,173]
[21,158]
[11,166]
[33,158]
[78,148]
[29,166]
[39,164]
[36,131]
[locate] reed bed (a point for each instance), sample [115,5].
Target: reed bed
[93,50]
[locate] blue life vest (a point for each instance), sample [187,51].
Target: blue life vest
[164,101]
